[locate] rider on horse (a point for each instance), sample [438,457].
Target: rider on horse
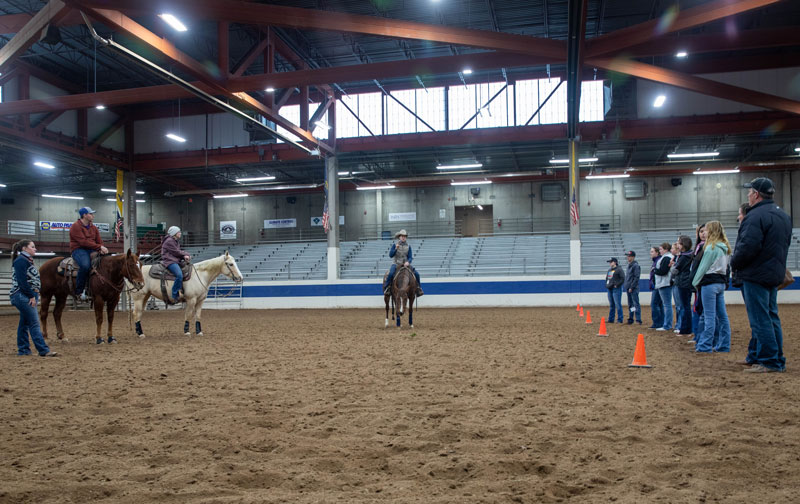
[171,256]
[401,252]
[84,238]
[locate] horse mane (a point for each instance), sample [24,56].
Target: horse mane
[208,263]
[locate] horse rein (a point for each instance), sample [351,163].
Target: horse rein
[122,280]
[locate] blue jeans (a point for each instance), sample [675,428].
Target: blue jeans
[656,309]
[634,308]
[666,303]
[714,314]
[175,269]
[685,309]
[28,323]
[752,345]
[615,304]
[762,310]
[393,270]
[83,259]
[678,307]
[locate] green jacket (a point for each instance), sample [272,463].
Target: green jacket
[714,262]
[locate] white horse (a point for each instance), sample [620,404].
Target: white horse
[195,290]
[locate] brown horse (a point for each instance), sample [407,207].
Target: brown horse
[404,288]
[106,282]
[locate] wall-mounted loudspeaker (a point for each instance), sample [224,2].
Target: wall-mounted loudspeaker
[676,181]
[291,200]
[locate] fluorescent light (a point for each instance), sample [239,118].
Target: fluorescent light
[140,201]
[100,107]
[139,192]
[322,125]
[45,254]
[580,160]
[681,54]
[238,195]
[286,187]
[480,207]
[693,155]
[173,22]
[617,175]
[659,101]
[43,165]
[2,185]
[372,188]
[111,199]
[459,166]
[343,173]
[109,190]
[466,71]
[61,197]
[254,179]
[270,90]
[175,137]
[474,182]
[797,149]
[715,172]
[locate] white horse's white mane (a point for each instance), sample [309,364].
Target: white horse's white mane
[209,263]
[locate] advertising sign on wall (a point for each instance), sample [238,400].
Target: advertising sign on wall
[280,223]
[21,227]
[317,221]
[405,216]
[46,225]
[227,230]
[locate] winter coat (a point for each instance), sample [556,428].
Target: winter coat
[614,278]
[762,245]
[25,277]
[632,277]
[713,267]
[84,237]
[681,271]
[663,276]
[171,252]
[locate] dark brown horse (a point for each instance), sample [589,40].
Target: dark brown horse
[404,288]
[106,282]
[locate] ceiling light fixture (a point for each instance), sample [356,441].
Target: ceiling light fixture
[715,172]
[173,22]
[40,164]
[255,179]
[580,160]
[237,195]
[114,190]
[610,175]
[61,197]
[659,101]
[466,71]
[174,137]
[270,90]
[692,155]
[459,166]
[474,182]
[797,149]
[480,207]
[681,54]
[343,173]
[2,185]
[100,107]
[374,188]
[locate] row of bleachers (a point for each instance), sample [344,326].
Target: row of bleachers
[500,255]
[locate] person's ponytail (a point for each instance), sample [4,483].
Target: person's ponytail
[17,248]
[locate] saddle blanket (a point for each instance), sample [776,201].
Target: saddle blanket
[158,270]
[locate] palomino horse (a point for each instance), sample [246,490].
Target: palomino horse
[195,289]
[106,282]
[404,288]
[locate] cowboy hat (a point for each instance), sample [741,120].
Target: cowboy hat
[402,232]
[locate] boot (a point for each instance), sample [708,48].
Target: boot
[419,292]
[387,290]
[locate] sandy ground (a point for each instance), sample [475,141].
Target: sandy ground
[478,405]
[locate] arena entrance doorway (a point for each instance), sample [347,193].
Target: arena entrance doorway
[474,220]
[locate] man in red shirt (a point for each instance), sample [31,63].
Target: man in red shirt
[84,238]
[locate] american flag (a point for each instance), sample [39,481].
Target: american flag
[325,217]
[573,209]
[118,228]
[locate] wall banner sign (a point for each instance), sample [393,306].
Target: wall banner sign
[54,225]
[21,227]
[317,221]
[227,230]
[280,223]
[405,216]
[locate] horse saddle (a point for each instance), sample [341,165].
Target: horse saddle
[158,271]
[68,266]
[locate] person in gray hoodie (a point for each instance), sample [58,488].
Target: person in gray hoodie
[631,287]
[664,284]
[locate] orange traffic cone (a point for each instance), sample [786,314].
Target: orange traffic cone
[603,330]
[578,308]
[580,314]
[588,317]
[639,355]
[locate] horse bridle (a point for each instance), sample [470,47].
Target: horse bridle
[121,282]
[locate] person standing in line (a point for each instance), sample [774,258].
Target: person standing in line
[712,276]
[615,278]
[664,285]
[631,287]
[84,238]
[676,252]
[762,247]
[697,306]
[656,307]
[24,294]
[682,275]
[736,281]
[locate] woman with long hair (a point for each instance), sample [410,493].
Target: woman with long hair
[712,277]
[24,294]
[697,306]
[656,306]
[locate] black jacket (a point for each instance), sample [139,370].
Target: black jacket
[632,277]
[614,278]
[762,245]
[683,266]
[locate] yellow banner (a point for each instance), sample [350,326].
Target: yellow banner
[119,192]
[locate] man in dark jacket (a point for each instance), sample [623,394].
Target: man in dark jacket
[631,287]
[760,259]
[614,280]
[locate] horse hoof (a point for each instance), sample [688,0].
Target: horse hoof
[112,341]
[141,336]
[411,326]
[64,340]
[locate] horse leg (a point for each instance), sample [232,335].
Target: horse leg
[197,327]
[138,307]
[44,307]
[386,322]
[187,316]
[110,308]
[98,317]
[411,312]
[61,303]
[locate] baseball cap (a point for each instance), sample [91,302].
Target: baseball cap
[84,210]
[613,259]
[630,253]
[762,185]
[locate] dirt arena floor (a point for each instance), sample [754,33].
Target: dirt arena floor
[479,405]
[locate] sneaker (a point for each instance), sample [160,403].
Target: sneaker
[677,331]
[661,329]
[51,354]
[758,368]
